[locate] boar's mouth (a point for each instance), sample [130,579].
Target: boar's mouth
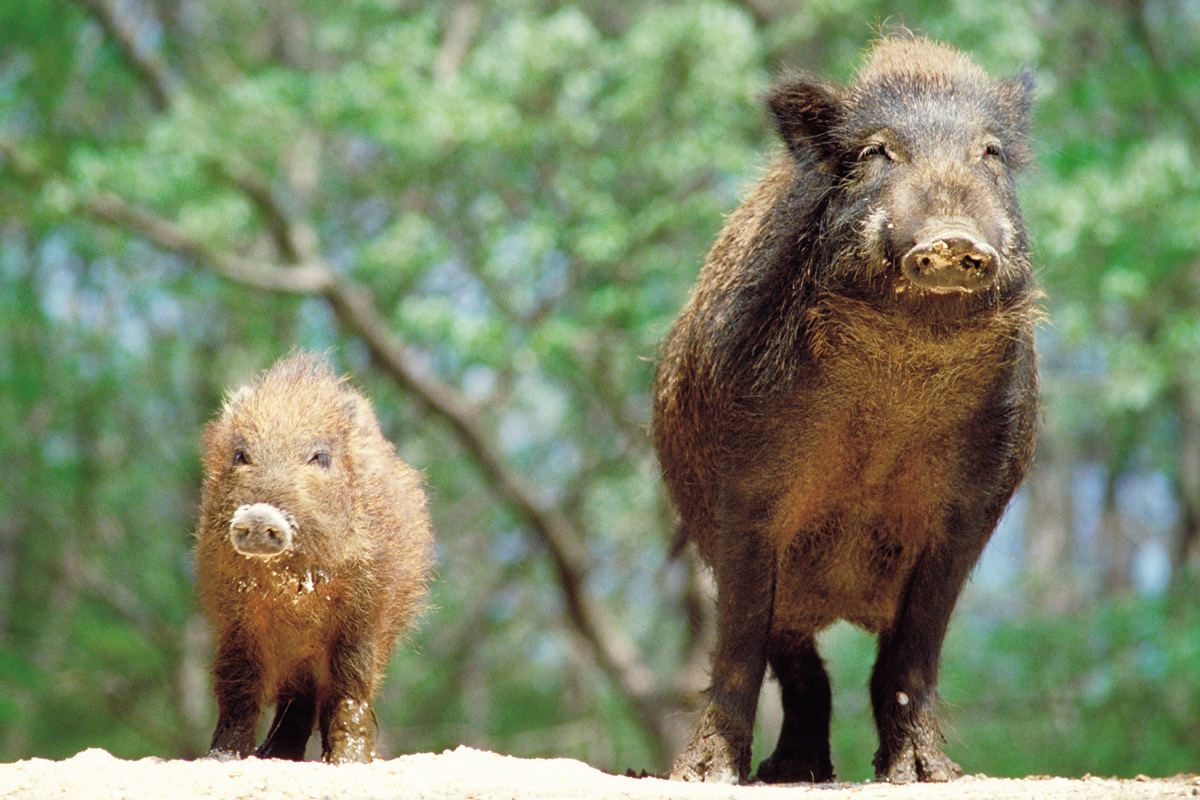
[261,530]
[950,262]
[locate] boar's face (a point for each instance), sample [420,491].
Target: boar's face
[920,153]
[279,471]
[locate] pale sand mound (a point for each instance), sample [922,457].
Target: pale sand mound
[466,773]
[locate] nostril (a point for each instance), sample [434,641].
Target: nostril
[951,262]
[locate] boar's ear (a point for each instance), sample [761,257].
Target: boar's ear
[1016,100]
[805,111]
[1018,91]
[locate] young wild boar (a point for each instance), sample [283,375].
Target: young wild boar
[847,402]
[313,553]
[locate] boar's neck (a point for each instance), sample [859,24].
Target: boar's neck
[760,274]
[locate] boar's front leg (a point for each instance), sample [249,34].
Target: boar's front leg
[238,683]
[745,575]
[904,681]
[803,750]
[347,721]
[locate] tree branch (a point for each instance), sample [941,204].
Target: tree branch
[614,652]
[162,88]
[312,278]
[291,249]
[464,21]
[1164,73]
[149,67]
[763,13]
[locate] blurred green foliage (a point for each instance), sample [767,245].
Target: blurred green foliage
[527,190]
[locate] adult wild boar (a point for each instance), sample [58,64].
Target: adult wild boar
[847,402]
[312,555]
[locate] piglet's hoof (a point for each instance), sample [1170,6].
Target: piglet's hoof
[351,735]
[719,752]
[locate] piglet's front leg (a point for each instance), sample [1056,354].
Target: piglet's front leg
[347,719]
[238,685]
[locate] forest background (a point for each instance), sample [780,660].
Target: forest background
[489,213]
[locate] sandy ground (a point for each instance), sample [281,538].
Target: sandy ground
[466,773]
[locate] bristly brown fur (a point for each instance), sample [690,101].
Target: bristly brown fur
[311,629]
[838,441]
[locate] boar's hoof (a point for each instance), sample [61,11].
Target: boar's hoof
[261,530]
[719,752]
[795,769]
[951,262]
[911,762]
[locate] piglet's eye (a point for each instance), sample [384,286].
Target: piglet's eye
[320,459]
[239,457]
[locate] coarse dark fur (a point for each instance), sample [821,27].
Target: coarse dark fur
[311,627]
[839,431]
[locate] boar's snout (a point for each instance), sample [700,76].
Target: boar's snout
[951,261]
[261,530]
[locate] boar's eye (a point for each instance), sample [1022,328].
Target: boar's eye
[239,457]
[874,150]
[993,150]
[321,459]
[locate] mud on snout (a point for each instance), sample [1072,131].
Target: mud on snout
[951,260]
[261,530]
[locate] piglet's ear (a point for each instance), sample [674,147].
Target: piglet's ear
[805,111]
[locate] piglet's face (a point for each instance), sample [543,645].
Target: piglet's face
[280,472]
[286,496]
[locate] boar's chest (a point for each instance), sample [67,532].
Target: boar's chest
[884,424]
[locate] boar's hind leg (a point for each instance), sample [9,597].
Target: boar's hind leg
[295,714]
[720,748]
[238,685]
[904,681]
[803,750]
[347,720]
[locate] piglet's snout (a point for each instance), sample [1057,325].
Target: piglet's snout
[261,530]
[952,261]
